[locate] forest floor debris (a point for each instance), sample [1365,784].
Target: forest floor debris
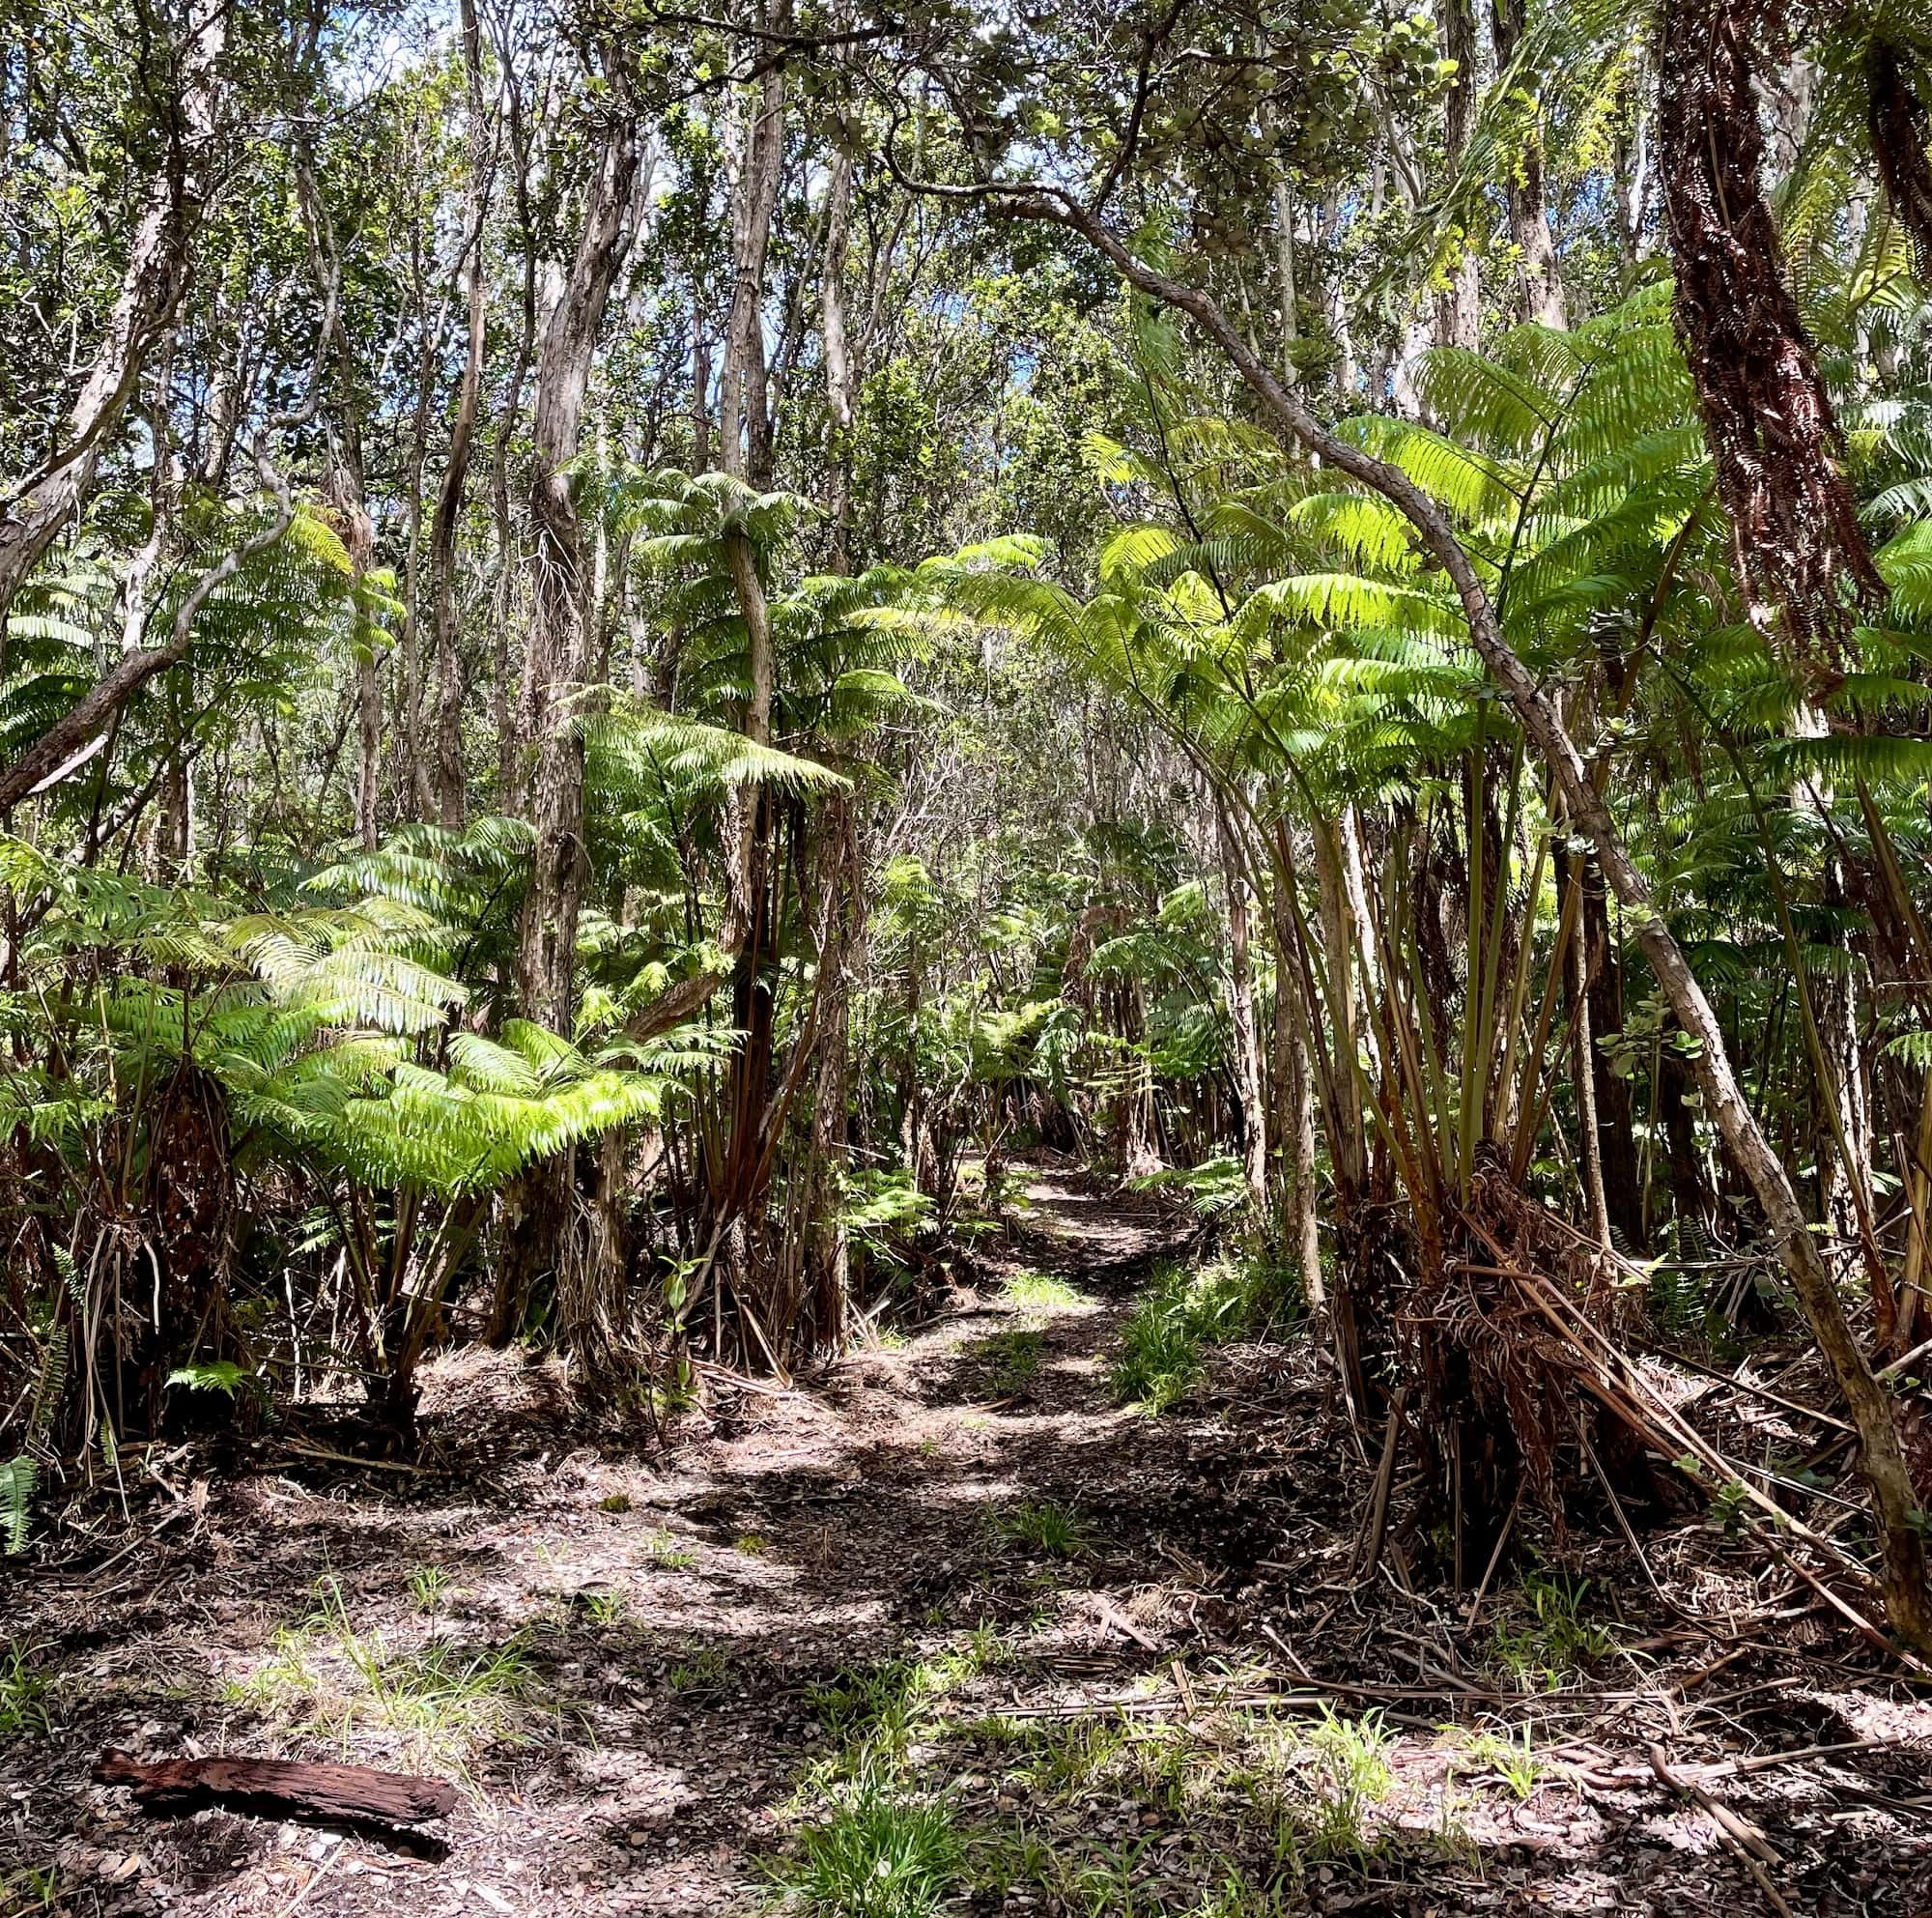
[958,1630]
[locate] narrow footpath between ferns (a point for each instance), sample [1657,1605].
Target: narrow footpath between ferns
[955,1631]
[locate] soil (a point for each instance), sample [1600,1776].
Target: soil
[1150,1635]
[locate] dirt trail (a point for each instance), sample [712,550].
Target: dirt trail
[634,1661]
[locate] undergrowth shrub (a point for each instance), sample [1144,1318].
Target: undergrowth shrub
[1164,1341]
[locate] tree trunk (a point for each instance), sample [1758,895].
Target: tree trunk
[1582,1072]
[539,1207]
[841,960]
[558,654]
[451,784]
[1539,276]
[1896,123]
[750,934]
[1459,307]
[1283,270]
[745,427]
[152,284]
[838,378]
[1622,1196]
[1247,1059]
[1775,440]
[1295,1105]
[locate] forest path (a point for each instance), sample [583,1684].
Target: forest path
[668,1621]
[952,1598]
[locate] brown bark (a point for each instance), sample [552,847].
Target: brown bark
[1458,307]
[1774,437]
[450,771]
[1895,1507]
[558,654]
[276,1786]
[1897,123]
[1539,276]
[1247,1060]
[745,1168]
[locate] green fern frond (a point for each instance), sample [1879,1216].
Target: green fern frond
[17,1479]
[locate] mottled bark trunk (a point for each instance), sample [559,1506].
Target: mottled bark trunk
[745,426]
[540,1207]
[152,284]
[1285,272]
[451,784]
[838,378]
[558,652]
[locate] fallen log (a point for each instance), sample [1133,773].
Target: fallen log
[279,1786]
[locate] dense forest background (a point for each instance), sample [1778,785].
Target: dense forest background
[641,649]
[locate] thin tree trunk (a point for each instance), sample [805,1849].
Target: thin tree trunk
[1622,1196]
[745,426]
[841,958]
[1241,1016]
[838,380]
[1540,278]
[1294,1105]
[448,754]
[538,1207]
[449,770]
[559,632]
[1458,307]
[152,284]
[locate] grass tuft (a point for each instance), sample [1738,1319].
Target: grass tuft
[441,1702]
[666,1554]
[705,1671]
[1040,1525]
[875,1852]
[1547,1640]
[1164,1340]
[1040,1291]
[1012,1361]
[23,1693]
[1510,1759]
[1348,1777]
